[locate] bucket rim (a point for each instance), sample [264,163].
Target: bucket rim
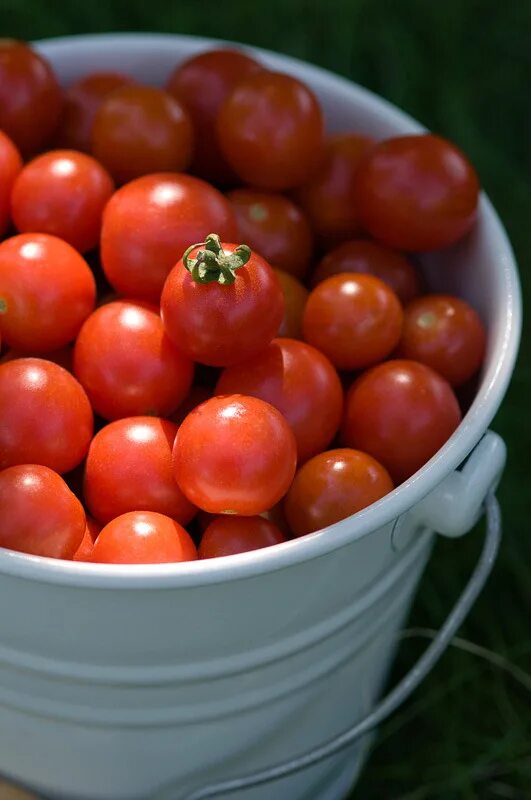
[494,384]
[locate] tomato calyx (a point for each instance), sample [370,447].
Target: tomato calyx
[212,263]
[3,306]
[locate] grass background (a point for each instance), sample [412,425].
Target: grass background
[463,68]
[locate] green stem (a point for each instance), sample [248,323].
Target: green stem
[211,263]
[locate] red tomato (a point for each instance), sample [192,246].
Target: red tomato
[234,455]
[143,537]
[10,166]
[270,130]
[417,193]
[371,258]
[228,535]
[39,513]
[148,225]
[300,382]
[446,334]
[202,83]
[229,318]
[332,486]
[275,228]
[45,416]
[63,193]
[30,97]
[84,551]
[295,298]
[127,364]
[354,319]
[129,468]
[400,412]
[47,290]
[81,101]
[138,130]
[329,196]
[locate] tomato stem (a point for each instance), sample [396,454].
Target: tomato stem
[212,263]
[3,306]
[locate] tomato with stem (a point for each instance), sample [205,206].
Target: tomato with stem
[228,535]
[221,303]
[234,455]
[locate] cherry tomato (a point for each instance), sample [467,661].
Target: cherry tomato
[39,513]
[229,318]
[446,334]
[417,193]
[127,364]
[270,130]
[234,455]
[332,486]
[45,416]
[138,130]
[201,84]
[371,258]
[354,319]
[10,166]
[329,196]
[401,412]
[148,225]
[295,298]
[228,535]
[84,551]
[143,537]
[129,468]
[63,193]
[300,382]
[46,292]
[81,101]
[30,97]
[275,228]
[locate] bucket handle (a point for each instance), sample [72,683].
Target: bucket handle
[396,696]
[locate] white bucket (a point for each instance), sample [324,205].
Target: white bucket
[154,681]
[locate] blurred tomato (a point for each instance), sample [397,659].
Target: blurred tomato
[295,298]
[228,535]
[10,166]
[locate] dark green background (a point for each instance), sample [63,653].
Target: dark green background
[464,70]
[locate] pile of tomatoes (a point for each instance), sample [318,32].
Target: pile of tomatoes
[215,334]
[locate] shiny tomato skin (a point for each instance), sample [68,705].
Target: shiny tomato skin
[228,535]
[10,166]
[219,324]
[332,486]
[201,84]
[143,537]
[417,193]
[149,223]
[295,299]
[127,364]
[129,468]
[329,196]
[82,99]
[84,551]
[139,130]
[62,193]
[270,130]
[30,96]
[446,334]
[274,227]
[371,258]
[40,515]
[45,416]
[47,290]
[354,319]
[234,454]
[401,412]
[300,382]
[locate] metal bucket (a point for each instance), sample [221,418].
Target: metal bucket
[158,681]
